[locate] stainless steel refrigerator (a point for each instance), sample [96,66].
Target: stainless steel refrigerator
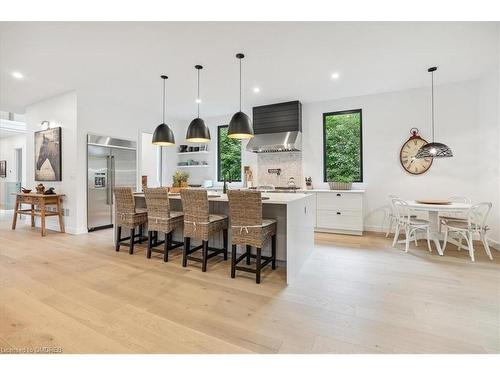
[110,162]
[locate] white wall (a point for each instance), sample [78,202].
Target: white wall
[60,110]
[8,148]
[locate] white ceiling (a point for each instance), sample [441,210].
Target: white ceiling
[287,61]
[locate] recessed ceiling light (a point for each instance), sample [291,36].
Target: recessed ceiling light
[198,100]
[335,75]
[17,75]
[256,90]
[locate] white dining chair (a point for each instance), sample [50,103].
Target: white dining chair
[409,223]
[392,217]
[475,223]
[455,215]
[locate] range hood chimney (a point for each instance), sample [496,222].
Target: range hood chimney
[277,128]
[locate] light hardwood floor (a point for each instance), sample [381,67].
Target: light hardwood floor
[355,295]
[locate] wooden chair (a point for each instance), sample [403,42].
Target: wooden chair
[126,215]
[161,219]
[475,223]
[200,224]
[250,229]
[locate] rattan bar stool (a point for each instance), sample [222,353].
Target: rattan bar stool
[126,215]
[200,224]
[250,229]
[161,219]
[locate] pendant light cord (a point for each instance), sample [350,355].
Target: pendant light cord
[198,97]
[432,104]
[164,101]
[240,84]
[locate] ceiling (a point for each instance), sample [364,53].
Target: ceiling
[286,60]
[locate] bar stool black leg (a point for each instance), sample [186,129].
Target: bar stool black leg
[224,236]
[132,238]
[150,244]
[273,250]
[258,265]
[205,256]
[249,251]
[168,237]
[166,246]
[141,229]
[118,237]
[187,247]
[233,261]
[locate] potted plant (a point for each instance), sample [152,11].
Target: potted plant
[180,180]
[341,179]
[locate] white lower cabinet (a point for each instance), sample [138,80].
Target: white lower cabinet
[339,211]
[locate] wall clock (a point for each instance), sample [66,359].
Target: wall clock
[409,150]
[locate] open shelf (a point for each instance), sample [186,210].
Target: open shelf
[193,152]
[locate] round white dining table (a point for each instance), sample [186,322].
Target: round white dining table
[434,210]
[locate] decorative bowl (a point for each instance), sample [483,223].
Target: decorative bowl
[26,191]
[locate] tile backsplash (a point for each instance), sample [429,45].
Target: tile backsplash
[290,164]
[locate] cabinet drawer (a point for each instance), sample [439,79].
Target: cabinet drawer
[333,201]
[341,219]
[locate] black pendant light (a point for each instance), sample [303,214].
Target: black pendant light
[433,149]
[240,126]
[197,130]
[163,135]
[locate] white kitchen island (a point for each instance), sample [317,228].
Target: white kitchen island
[295,214]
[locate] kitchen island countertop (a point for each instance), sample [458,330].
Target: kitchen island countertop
[274,198]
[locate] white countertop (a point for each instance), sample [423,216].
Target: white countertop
[274,198]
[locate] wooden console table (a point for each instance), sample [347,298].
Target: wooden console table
[39,203]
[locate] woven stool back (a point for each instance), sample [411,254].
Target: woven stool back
[245,208]
[157,202]
[195,205]
[124,200]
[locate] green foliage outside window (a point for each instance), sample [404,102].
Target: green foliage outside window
[342,153]
[229,156]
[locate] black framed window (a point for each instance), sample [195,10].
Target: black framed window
[343,146]
[228,156]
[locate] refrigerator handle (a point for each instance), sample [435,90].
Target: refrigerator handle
[112,176]
[109,192]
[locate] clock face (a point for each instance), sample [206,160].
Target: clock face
[407,156]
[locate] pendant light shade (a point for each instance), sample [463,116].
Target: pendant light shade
[433,149]
[163,135]
[198,131]
[240,126]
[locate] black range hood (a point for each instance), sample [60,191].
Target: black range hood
[277,128]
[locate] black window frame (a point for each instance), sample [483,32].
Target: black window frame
[346,112]
[219,177]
